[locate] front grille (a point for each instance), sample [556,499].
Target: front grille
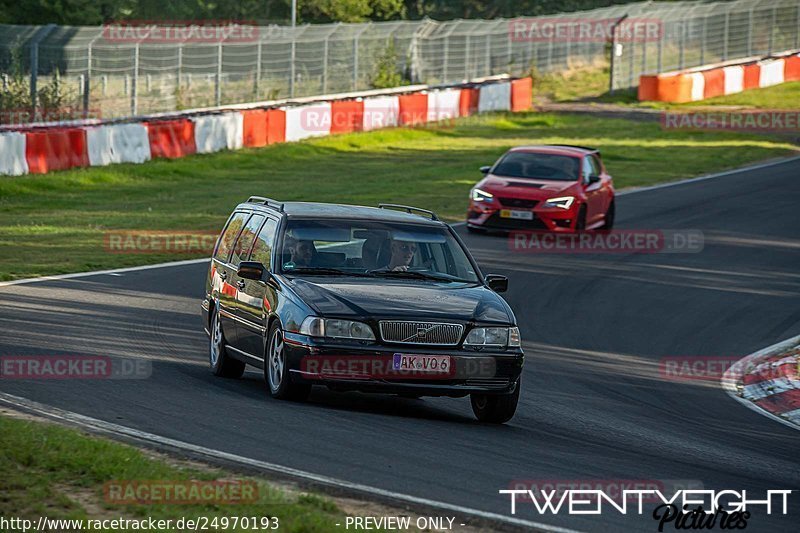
[518,202]
[421,332]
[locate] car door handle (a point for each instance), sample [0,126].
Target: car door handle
[240,284]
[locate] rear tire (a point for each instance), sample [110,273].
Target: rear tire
[608,224]
[495,408]
[219,361]
[276,369]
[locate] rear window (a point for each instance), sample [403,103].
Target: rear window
[538,166]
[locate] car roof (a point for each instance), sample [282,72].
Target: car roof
[560,149]
[313,210]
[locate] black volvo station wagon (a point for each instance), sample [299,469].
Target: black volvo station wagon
[384,299]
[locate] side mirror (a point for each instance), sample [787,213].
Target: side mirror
[485,169]
[496,282]
[250,270]
[594,178]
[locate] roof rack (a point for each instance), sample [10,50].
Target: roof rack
[410,210]
[266,201]
[591,150]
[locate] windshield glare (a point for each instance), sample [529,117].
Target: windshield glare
[377,248]
[538,166]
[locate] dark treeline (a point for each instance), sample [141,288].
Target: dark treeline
[93,12]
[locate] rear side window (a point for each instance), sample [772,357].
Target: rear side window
[229,236]
[262,249]
[245,240]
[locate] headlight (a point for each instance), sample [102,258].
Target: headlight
[565,202]
[493,337]
[315,326]
[481,196]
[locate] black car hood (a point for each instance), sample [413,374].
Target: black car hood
[406,299]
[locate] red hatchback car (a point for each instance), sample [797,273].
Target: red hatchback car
[549,187]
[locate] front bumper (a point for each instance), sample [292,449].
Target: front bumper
[362,367]
[488,216]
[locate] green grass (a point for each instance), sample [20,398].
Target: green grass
[44,467]
[590,84]
[55,223]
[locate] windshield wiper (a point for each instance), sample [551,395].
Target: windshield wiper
[412,274]
[322,271]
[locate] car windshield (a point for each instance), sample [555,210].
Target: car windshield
[538,166]
[375,249]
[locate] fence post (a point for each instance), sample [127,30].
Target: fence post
[613,62]
[682,44]
[258,68]
[488,55]
[797,31]
[87,82]
[772,28]
[218,79]
[727,36]
[180,64]
[445,58]
[660,49]
[325,67]
[135,81]
[750,33]
[466,59]
[38,37]
[703,43]
[291,66]
[355,61]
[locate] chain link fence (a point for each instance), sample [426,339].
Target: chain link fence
[109,77]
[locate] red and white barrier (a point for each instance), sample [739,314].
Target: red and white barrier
[381,112]
[495,97]
[61,147]
[734,79]
[717,80]
[312,120]
[771,73]
[118,143]
[213,133]
[12,154]
[444,104]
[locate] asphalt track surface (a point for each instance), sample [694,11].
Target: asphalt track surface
[594,404]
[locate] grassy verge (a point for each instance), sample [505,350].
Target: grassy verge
[590,84]
[48,470]
[55,223]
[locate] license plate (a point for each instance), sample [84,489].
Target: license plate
[423,364]
[521,215]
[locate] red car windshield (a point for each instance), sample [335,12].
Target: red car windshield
[538,166]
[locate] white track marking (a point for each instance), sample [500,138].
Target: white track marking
[730,380]
[116,429]
[112,272]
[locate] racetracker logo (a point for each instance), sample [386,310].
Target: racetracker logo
[757,121]
[181,31]
[614,488]
[73,367]
[605,242]
[179,492]
[585,30]
[160,242]
[398,366]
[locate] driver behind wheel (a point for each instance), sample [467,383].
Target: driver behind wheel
[402,255]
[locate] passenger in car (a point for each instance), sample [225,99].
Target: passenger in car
[402,255]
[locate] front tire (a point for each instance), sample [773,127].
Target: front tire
[276,369]
[495,408]
[580,222]
[219,361]
[609,218]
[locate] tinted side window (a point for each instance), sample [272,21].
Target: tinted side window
[262,249]
[245,240]
[586,169]
[229,235]
[596,168]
